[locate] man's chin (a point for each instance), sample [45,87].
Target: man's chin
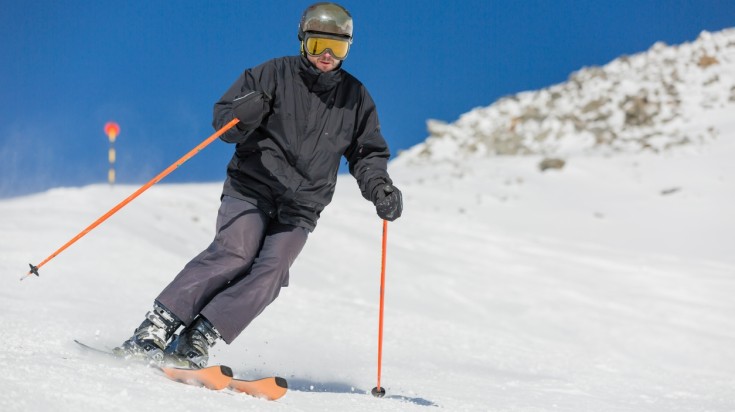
[326,66]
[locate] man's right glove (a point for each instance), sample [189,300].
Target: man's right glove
[388,202]
[250,109]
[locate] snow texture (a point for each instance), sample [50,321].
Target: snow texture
[606,285]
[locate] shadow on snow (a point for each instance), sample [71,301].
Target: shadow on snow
[304,385]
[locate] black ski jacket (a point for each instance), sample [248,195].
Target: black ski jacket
[287,166]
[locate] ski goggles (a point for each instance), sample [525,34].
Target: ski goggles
[318,44]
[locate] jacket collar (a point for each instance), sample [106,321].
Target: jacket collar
[315,79]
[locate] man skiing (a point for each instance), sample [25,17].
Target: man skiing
[298,115]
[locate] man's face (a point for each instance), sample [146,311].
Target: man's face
[325,62]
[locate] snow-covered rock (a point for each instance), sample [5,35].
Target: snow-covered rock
[651,101]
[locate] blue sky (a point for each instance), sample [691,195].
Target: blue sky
[157,67]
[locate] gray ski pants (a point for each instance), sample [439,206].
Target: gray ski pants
[239,274]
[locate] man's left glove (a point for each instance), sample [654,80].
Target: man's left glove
[388,202]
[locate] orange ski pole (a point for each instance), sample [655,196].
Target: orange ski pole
[176,164]
[379,391]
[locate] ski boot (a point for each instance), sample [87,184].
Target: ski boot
[150,338]
[190,349]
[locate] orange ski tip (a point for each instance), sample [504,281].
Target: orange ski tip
[267,388]
[214,377]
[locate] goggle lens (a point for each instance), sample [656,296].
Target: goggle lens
[316,46]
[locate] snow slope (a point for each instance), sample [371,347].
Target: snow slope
[604,286]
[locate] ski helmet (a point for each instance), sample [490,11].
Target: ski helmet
[329,18]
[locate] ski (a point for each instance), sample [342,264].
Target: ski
[216,377]
[270,388]
[213,377]
[220,377]
[96,350]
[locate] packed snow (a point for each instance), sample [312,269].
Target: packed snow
[606,285]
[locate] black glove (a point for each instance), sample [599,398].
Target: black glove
[250,109]
[388,202]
